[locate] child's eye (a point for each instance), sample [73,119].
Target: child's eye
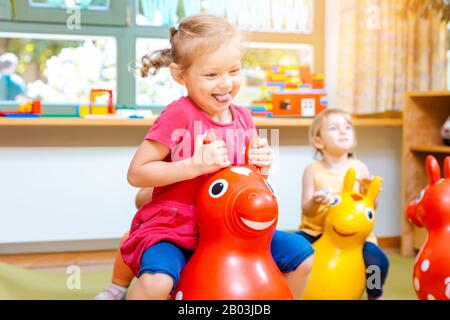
[235,71]
[211,75]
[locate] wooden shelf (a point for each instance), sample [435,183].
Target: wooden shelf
[430,149]
[424,113]
[439,94]
[259,121]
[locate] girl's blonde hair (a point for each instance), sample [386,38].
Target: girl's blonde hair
[194,36]
[316,126]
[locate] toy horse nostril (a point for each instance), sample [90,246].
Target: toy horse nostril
[252,195]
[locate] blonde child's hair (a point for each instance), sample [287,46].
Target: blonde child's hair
[194,36]
[316,126]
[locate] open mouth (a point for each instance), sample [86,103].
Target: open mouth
[343,234]
[222,98]
[257,225]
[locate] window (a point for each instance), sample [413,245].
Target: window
[281,32]
[82,4]
[252,15]
[59,69]
[99,12]
[160,89]
[273,28]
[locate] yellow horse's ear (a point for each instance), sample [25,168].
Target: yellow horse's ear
[349,180]
[374,189]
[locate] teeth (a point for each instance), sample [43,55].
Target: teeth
[257,225]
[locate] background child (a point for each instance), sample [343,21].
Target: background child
[333,137]
[205,56]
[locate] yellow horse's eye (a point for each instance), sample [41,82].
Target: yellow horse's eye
[370,214]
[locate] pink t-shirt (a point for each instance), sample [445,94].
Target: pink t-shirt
[170,216]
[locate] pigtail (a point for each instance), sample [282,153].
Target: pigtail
[155,60]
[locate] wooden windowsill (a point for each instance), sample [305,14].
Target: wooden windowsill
[119,122]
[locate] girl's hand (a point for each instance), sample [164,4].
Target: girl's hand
[324,196]
[210,157]
[260,154]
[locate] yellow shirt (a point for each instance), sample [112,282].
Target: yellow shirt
[325,178]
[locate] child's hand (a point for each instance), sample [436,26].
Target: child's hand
[260,154]
[210,157]
[364,184]
[325,196]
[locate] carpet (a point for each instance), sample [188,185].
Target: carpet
[23,284]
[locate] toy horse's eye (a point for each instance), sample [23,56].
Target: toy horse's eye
[370,214]
[218,188]
[337,199]
[420,196]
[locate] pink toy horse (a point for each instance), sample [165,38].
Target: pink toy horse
[431,210]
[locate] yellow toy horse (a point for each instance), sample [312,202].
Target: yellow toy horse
[339,271]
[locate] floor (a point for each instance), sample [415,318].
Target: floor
[49,276]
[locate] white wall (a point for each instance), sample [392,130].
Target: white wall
[53,194]
[81,193]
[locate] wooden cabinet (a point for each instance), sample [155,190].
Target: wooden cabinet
[423,116]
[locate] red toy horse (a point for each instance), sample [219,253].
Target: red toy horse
[431,210]
[237,213]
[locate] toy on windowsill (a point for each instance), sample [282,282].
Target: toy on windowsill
[291,92]
[97,111]
[431,209]
[30,109]
[133,112]
[445,132]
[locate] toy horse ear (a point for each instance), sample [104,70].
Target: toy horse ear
[433,170]
[349,180]
[447,167]
[374,189]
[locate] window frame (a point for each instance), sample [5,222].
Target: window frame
[114,16]
[126,36]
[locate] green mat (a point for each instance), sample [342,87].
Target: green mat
[23,284]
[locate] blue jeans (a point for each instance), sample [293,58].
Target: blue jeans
[373,256]
[288,251]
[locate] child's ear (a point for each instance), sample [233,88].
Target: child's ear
[177,73]
[317,143]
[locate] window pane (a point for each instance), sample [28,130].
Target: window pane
[83,4]
[59,71]
[252,15]
[260,56]
[160,89]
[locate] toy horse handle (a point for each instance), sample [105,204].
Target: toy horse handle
[211,138]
